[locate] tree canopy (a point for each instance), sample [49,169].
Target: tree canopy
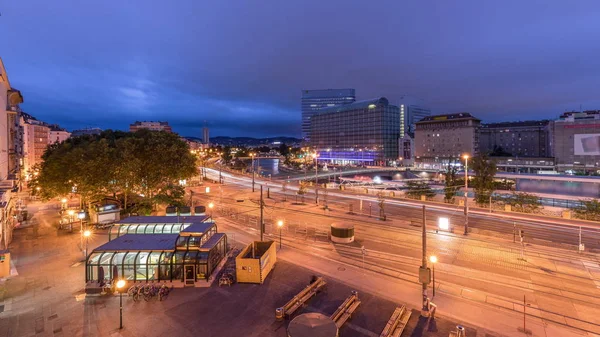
[483,182]
[147,163]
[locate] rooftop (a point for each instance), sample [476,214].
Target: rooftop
[213,241]
[516,124]
[198,228]
[456,116]
[378,102]
[147,242]
[194,219]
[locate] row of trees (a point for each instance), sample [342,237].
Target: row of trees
[146,164]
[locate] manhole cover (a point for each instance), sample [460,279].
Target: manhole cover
[341,268]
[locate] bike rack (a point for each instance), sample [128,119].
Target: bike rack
[297,301]
[397,322]
[345,310]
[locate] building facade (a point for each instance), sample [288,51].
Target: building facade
[154,126]
[57,134]
[412,110]
[576,141]
[365,132]
[315,100]
[516,139]
[205,136]
[442,139]
[36,137]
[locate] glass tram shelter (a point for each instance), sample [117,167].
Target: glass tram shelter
[158,249]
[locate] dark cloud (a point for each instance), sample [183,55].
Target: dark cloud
[240,65]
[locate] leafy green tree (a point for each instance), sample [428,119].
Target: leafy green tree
[381,204]
[145,162]
[589,210]
[226,156]
[415,189]
[524,202]
[483,182]
[451,184]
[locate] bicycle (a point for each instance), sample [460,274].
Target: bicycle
[164,291]
[135,292]
[150,290]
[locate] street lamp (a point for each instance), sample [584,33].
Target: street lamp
[63,203]
[252,155]
[433,260]
[81,216]
[466,157]
[210,206]
[315,156]
[120,286]
[86,234]
[280,225]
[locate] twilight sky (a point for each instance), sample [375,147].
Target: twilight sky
[239,65]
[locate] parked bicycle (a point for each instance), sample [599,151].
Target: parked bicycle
[164,291]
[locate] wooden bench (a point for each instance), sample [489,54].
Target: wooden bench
[397,322]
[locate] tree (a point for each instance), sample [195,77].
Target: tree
[302,189]
[451,184]
[524,202]
[415,189]
[589,210]
[226,156]
[483,182]
[146,162]
[381,204]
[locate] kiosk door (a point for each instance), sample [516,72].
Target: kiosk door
[189,275]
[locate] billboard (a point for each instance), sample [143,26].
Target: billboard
[587,144]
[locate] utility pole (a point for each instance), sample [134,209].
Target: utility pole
[262,206]
[424,272]
[466,193]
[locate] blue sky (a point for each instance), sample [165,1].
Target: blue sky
[240,65]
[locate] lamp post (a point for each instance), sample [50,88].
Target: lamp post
[466,157]
[81,216]
[280,225]
[220,176]
[252,155]
[315,156]
[86,234]
[433,260]
[120,286]
[210,206]
[63,203]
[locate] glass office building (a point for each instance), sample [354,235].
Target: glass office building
[315,100]
[365,132]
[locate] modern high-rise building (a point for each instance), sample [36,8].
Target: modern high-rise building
[205,136]
[412,110]
[315,100]
[442,139]
[154,126]
[576,141]
[364,132]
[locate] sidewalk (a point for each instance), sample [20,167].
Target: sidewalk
[463,311]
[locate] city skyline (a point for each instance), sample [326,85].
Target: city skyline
[107,68]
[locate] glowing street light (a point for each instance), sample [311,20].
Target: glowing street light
[252,155]
[210,206]
[120,285]
[87,235]
[280,225]
[466,158]
[433,259]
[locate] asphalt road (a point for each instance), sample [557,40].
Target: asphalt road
[541,230]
